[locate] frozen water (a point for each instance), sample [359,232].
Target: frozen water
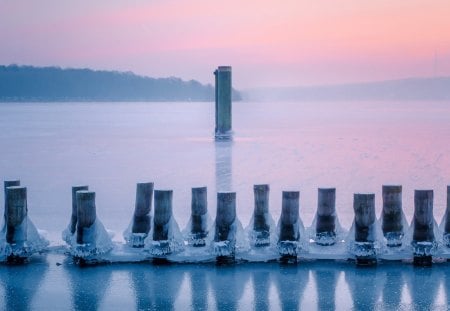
[355,147]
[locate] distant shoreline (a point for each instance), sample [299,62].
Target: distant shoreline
[53,84]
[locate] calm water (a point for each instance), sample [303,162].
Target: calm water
[355,147]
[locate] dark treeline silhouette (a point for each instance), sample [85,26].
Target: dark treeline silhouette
[404,89]
[28,83]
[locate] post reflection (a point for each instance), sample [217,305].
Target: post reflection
[326,278]
[198,278]
[20,284]
[156,287]
[423,284]
[393,286]
[291,281]
[223,152]
[228,284]
[261,286]
[88,285]
[365,284]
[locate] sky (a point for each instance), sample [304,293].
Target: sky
[268,43]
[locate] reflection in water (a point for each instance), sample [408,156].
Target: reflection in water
[20,284]
[88,285]
[365,284]
[261,287]
[291,281]
[156,287]
[326,279]
[423,286]
[199,288]
[228,283]
[223,151]
[393,286]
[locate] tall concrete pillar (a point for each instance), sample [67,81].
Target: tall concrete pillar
[423,222]
[223,101]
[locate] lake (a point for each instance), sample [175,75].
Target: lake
[353,146]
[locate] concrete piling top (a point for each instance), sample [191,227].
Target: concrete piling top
[326,201]
[226,208]
[75,189]
[290,207]
[163,206]
[86,209]
[144,194]
[199,201]
[224,68]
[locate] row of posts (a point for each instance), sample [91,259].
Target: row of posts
[84,215]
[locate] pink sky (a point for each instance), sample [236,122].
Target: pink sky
[268,43]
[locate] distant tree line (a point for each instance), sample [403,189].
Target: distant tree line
[28,83]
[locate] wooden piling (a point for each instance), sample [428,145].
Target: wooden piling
[364,208]
[16,213]
[289,234]
[86,215]
[199,210]
[223,94]
[74,217]
[447,220]
[391,215]
[163,213]
[142,208]
[225,225]
[326,217]
[261,225]
[423,221]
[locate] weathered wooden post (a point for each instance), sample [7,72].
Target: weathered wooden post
[365,235]
[261,224]
[86,215]
[223,94]
[6,184]
[199,210]
[16,216]
[423,241]
[225,233]
[141,217]
[73,218]
[326,217]
[447,220]
[289,235]
[163,212]
[391,215]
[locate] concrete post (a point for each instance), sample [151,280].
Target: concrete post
[423,221]
[391,215]
[142,208]
[163,213]
[261,225]
[364,208]
[73,219]
[86,215]
[289,234]
[447,220]
[16,213]
[326,217]
[223,101]
[199,210]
